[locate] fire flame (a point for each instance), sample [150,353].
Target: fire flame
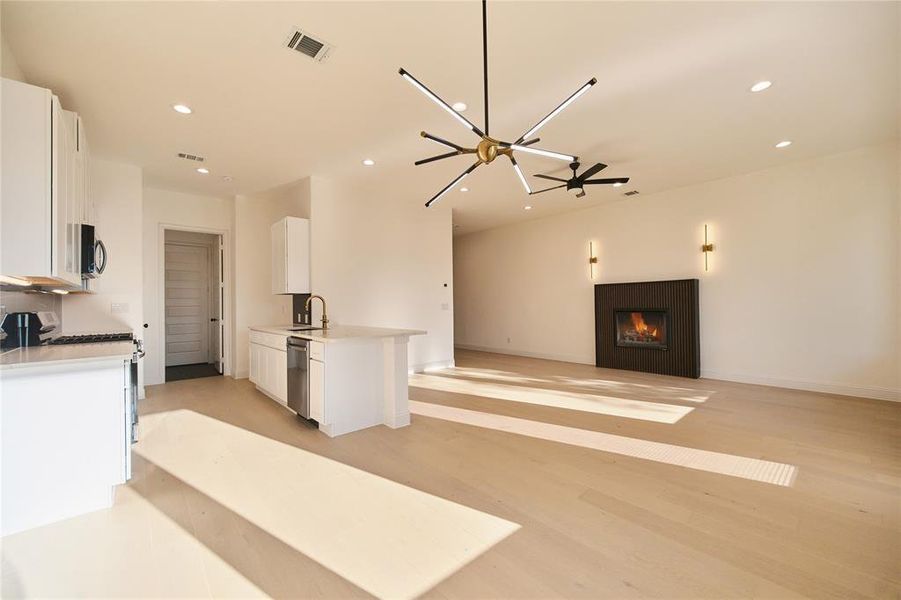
[641,327]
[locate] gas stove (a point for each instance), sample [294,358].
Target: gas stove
[91,338]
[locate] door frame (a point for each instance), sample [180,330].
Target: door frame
[227,315]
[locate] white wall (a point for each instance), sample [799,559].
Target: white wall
[378,262]
[803,291]
[118,198]
[180,210]
[9,66]
[254,302]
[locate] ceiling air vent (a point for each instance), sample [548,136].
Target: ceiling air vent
[187,156]
[307,45]
[631,193]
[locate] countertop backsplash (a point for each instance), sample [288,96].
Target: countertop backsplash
[31,302]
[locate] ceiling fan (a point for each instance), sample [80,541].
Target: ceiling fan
[490,148]
[575,183]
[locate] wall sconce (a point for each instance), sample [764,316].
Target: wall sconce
[707,248]
[592,260]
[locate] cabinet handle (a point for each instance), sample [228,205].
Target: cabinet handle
[101,266]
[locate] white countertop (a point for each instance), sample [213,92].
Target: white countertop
[65,353]
[337,333]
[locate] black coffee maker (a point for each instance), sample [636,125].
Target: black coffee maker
[27,328]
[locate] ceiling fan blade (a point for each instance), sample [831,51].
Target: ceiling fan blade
[453,183]
[592,170]
[611,180]
[551,178]
[522,177]
[439,157]
[444,142]
[540,152]
[434,97]
[556,187]
[557,110]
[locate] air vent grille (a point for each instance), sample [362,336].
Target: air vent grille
[631,193]
[187,156]
[308,45]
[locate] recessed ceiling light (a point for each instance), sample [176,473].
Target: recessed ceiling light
[784,144]
[368,162]
[183,109]
[459,106]
[618,184]
[227,178]
[464,189]
[527,207]
[761,85]
[203,171]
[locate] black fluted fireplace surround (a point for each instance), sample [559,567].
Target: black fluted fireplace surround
[649,326]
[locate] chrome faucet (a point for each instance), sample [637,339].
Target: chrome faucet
[324,315]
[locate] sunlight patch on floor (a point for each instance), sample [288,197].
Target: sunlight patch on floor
[389,539]
[605,405]
[703,460]
[130,550]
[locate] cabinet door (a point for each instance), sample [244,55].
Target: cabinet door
[297,252]
[280,376]
[279,248]
[317,390]
[66,259]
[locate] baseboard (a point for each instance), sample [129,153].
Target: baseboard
[242,374]
[859,391]
[841,389]
[430,366]
[570,358]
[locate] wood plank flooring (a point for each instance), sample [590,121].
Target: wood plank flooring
[593,524]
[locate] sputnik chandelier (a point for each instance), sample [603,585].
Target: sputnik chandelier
[488,147]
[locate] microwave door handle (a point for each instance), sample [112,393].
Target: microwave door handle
[101,265]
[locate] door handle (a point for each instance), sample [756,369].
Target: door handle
[213,320]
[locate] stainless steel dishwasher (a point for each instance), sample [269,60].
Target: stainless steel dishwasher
[298,384]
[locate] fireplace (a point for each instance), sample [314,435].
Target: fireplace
[650,326]
[642,328]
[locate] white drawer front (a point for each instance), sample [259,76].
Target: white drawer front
[317,351]
[273,340]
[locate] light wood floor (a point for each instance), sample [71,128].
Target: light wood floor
[593,524]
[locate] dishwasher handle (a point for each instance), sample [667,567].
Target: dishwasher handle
[298,345]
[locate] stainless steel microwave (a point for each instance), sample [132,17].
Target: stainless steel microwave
[93,253]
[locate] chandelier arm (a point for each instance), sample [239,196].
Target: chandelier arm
[453,183]
[439,157]
[442,141]
[518,170]
[530,142]
[557,110]
[434,97]
[539,152]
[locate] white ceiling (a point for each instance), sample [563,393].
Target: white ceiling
[672,105]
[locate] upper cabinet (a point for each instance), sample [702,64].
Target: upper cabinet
[291,256]
[44,188]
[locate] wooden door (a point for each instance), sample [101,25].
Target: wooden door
[187,304]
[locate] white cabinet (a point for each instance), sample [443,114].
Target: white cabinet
[44,195]
[291,256]
[269,365]
[316,375]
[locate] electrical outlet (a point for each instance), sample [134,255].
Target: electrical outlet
[118,307]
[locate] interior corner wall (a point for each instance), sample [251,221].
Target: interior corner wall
[803,289]
[383,263]
[255,304]
[193,211]
[9,66]
[117,301]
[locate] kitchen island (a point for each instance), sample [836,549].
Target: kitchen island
[357,376]
[66,419]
